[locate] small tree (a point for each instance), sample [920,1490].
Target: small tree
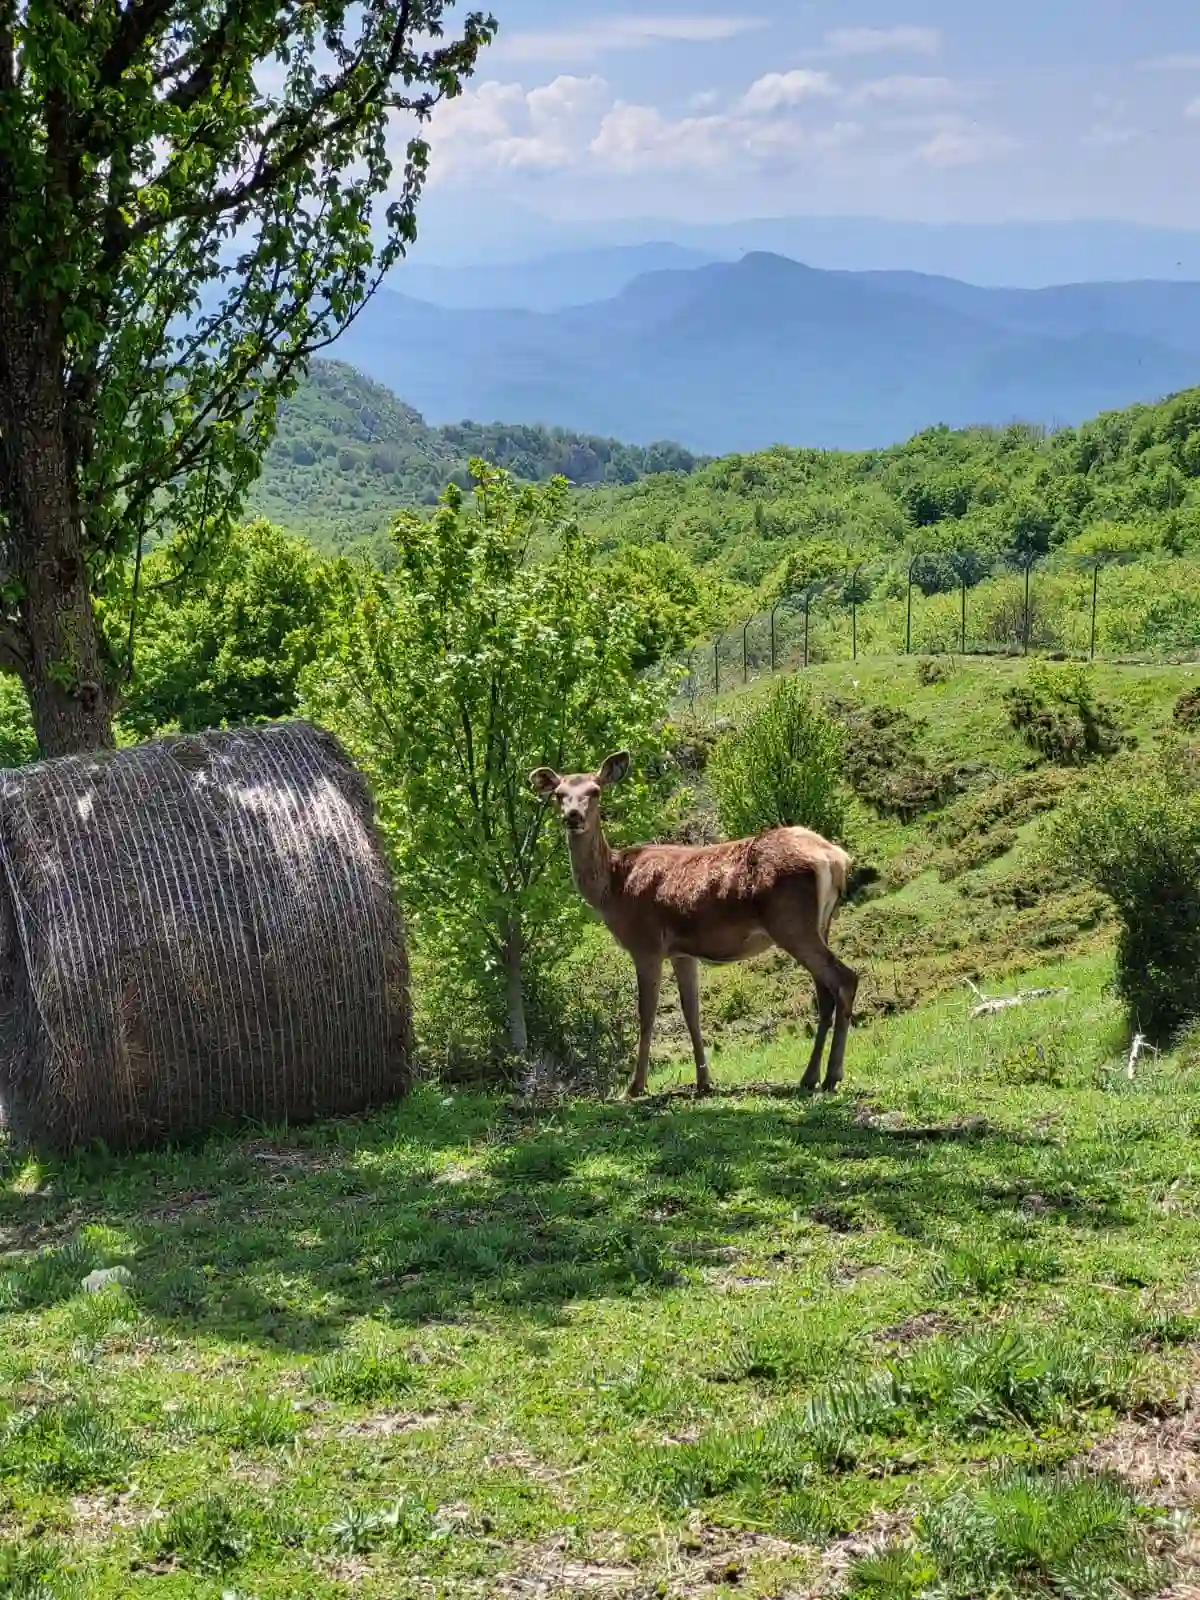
[782,768]
[450,680]
[229,648]
[1135,835]
[193,199]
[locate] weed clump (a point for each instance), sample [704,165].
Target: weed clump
[1020,1533]
[1187,709]
[975,853]
[885,768]
[1057,714]
[934,669]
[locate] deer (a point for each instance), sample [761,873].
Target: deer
[716,904]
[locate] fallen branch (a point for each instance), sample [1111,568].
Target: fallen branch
[989,1008]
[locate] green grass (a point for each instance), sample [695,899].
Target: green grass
[468,1342]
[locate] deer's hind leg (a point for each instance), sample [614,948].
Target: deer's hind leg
[687,976]
[792,923]
[826,1010]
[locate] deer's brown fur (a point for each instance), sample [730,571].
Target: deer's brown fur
[714,903]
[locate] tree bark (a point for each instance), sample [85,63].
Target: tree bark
[59,642]
[514,988]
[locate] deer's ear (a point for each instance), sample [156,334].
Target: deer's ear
[613,769]
[544,781]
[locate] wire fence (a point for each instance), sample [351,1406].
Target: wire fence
[962,602]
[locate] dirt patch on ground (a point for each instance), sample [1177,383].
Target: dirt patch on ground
[387,1424]
[99,1517]
[1160,1461]
[702,1564]
[923,1325]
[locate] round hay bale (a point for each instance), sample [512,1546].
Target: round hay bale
[194,931]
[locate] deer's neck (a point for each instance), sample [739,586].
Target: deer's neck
[591,866]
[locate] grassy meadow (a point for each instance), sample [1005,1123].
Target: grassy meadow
[934,1335]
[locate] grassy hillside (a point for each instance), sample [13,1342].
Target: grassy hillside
[348,454]
[1128,480]
[933,1335]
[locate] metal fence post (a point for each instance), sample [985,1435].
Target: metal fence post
[1095,597]
[962,643]
[807,609]
[912,567]
[717,664]
[854,611]
[774,609]
[1029,560]
[745,658]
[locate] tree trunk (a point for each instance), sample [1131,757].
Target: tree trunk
[514,989]
[58,648]
[65,673]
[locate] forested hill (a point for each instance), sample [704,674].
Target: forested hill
[1126,481]
[348,454]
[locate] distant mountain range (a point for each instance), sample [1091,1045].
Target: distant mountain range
[546,283]
[739,355]
[490,229]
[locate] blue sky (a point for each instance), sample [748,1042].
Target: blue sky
[586,110]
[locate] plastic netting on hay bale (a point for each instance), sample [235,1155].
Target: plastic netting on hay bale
[192,931]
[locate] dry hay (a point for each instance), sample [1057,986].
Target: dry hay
[197,930]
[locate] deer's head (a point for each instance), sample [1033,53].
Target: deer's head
[578,797]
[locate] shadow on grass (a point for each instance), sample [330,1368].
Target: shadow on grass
[444,1207]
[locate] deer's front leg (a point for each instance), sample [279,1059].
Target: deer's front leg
[687,976]
[649,982]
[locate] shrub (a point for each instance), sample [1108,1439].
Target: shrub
[782,767]
[1136,838]
[885,768]
[1057,713]
[934,669]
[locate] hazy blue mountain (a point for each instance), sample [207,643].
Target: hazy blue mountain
[1163,311]
[994,254]
[739,355]
[546,283]
[489,231]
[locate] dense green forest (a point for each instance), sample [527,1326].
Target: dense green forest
[348,454]
[1126,483]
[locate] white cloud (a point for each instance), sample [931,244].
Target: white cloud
[619,33]
[777,90]
[1174,63]
[636,138]
[904,90]
[501,125]
[1192,111]
[640,139]
[576,124]
[883,41]
[965,144]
